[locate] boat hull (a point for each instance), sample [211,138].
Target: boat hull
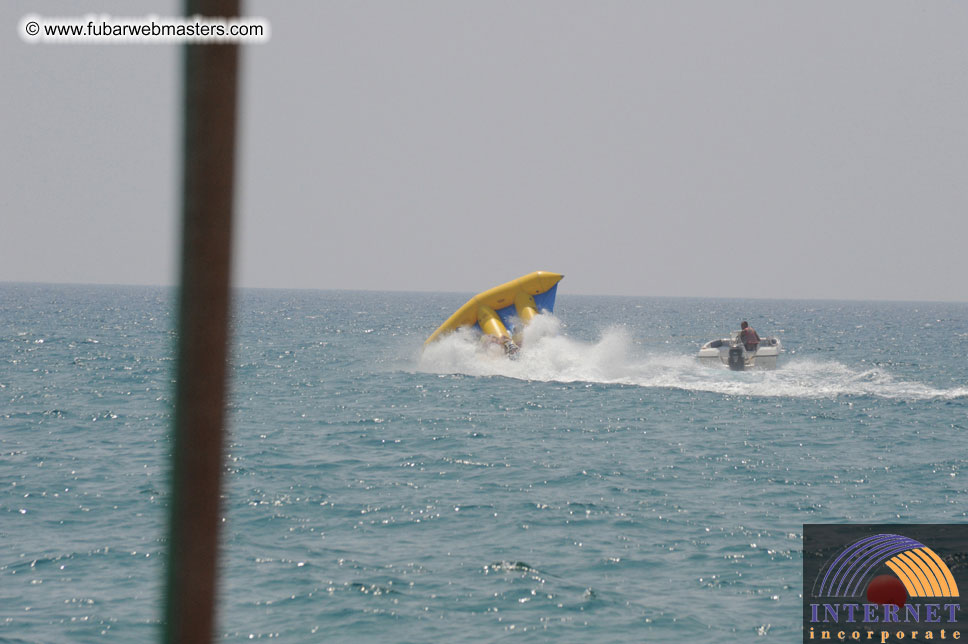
[716,353]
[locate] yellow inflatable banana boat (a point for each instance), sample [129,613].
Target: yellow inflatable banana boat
[496,310]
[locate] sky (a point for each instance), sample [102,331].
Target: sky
[793,149]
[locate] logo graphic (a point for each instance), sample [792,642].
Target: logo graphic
[919,569]
[883,582]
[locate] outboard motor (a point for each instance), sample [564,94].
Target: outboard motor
[736,361]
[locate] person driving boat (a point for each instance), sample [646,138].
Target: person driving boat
[748,336]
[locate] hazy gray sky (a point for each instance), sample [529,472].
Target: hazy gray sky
[808,149]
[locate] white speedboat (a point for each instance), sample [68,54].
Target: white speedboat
[731,352]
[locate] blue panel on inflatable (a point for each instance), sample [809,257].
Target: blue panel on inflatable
[545,302]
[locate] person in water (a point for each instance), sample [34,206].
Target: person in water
[510,347]
[748,336]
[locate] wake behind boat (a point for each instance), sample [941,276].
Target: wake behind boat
[732,352]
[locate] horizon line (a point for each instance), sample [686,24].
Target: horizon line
[463,293]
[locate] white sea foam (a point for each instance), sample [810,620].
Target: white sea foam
[547,354]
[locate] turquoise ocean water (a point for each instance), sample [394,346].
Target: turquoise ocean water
[602,488]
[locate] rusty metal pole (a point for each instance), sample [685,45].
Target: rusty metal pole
[211,72]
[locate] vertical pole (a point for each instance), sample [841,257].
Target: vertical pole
[209,158]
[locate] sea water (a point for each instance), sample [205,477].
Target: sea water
[603,487]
